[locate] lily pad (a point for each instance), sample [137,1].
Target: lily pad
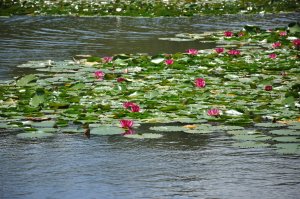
[270,125]
[45,124]
[285,132]
[288,148]
[34,135]
[286,139]
[24,81]
[250,144]
[106,130]
[168,128]
[144,136]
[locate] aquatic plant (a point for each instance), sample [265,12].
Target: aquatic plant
[126,124]
[99,75]
[169,62]
[65,97]
[192,51]
[200,82]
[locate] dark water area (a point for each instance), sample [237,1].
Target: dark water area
[179,165]
[24,38]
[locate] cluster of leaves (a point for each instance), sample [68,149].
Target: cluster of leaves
[142,8]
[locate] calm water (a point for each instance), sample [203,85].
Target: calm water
[177,166]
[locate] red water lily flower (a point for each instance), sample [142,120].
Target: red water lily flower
[200,82]
[273,56]
[213,112]
[219,50]
[169,61]
[234,52]
[135,108]
[228,34]
[107,59]
[268,88]
[276,44]
[296,42]
[126,124]
[99,75]
[192,51]
[121,79]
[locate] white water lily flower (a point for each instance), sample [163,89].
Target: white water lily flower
[119,9]
[233,113]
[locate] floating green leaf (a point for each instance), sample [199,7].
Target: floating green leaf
[286,139]
[107,130]
[144,136]
[250,144]
[34,135]
[285,132]
[24,81]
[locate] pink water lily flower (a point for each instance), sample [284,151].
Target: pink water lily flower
[272,56]
[213,112]
[107,59]
[128,104]
[228,34]
[268,88]
[234,52]
[169,62]
[219,50]
[283,33]
[192,51]
[200,82]
[276,44]
[296,42]
[99,75]
[135,108]
[126,124]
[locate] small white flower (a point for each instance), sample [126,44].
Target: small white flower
[119,9]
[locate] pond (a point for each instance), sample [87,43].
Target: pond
[180,165]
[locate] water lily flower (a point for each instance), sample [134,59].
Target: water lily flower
[192,51]
[283,33]
[234,52]
[276,44]
[228,34]
[128,104]
[219,50]
[296,42]
[169,62]
[107,59]
[126,124]
[214,112]
[99,75]
[200,82]
[268,88]
[121,79]
[273,56]
[135,108]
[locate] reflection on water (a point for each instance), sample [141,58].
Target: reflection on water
[176,166]
[58,38]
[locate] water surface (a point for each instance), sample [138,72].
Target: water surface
[177,166]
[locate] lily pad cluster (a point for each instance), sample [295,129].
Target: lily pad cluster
[149,8]
[238,85]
